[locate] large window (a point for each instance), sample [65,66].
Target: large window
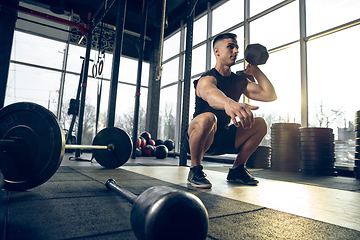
[35,75]
[227,15]
[276,28]
[325,14]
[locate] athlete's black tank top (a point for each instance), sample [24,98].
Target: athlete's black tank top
[232,86]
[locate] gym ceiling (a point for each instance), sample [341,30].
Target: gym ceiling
[175,13]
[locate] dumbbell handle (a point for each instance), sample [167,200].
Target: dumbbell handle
[111,184]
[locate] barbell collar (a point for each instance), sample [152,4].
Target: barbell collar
[130,197]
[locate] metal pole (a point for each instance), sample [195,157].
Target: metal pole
[209,50]
[120,23]
[180,85]
[246,35]
[138,82]
[83,90]
[62,80]
[303,62]
[187,79]
[7,28]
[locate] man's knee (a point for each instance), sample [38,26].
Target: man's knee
[205,121]
[261,125]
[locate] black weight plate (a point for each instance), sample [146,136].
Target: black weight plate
[286,125]
[306,164]
[275,143]
[122,147]
[357,155]
[357,127]
[316,139]
[283,149]
[357,114]
[316,148]
[294,134]
[284,132]
[357,162]
[357,134]
[317,144]
[313,134]
[317,159]
[42,149]
[285,169]
[357,141]
[284,143]
[357,120]
[286,164]
[315,129]
[317,163]
[285,140]
[318,154]
[283,155]
[261,155]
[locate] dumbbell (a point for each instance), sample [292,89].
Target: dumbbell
[165,213]
[255,54]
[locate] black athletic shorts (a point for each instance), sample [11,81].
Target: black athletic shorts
[224,142]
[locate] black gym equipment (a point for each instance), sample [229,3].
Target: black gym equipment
[32,146]
[317,151]
[255,54]
[119,146]
[165,213]
[37,145]
[148,151]
[169,144]
[285,152]
[161,152]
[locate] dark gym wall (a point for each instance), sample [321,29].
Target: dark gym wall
[7,27]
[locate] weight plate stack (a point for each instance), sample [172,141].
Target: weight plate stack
[317,151]
[285,153]
[260,158]
[357,145]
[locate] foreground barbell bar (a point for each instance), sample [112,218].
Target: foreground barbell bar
[165,213]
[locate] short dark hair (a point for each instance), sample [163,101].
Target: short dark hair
[224,36]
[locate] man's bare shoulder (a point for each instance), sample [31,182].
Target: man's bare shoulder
[208,80]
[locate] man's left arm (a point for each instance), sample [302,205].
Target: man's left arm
[263,90]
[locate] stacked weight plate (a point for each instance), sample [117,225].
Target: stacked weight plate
[357,145]
[317,151]
[285,153]
[260,158]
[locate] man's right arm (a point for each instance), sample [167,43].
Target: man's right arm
[208,91]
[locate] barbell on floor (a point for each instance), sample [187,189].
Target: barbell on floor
[32,145]
[165,213]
